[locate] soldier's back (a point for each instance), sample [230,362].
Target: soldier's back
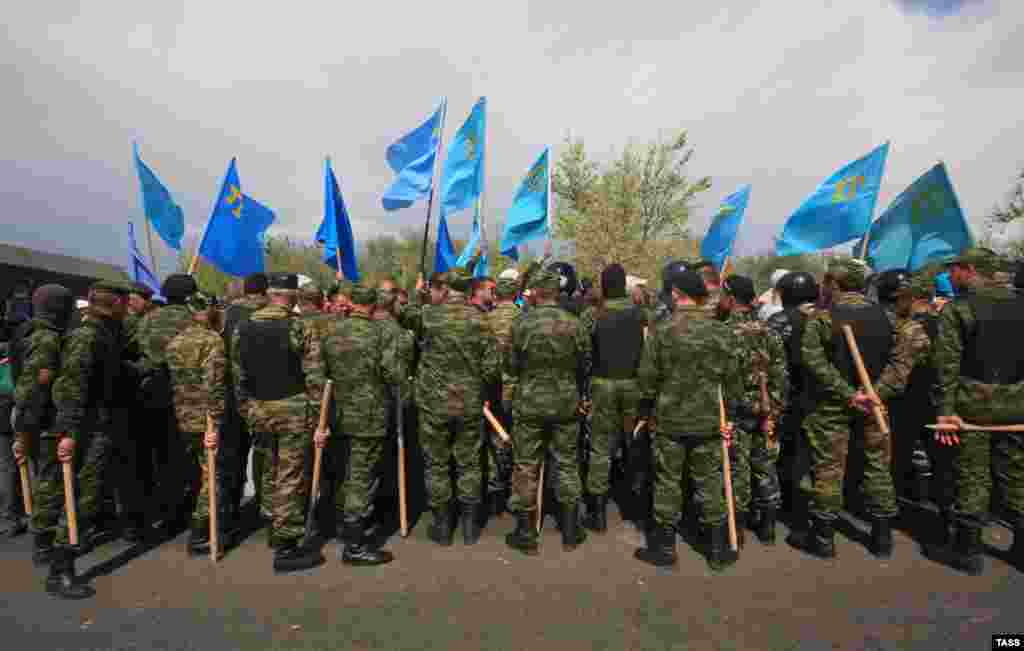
[547,352]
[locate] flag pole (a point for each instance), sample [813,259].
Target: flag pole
[433,186]
[550,245]
[481,200]
[149,240]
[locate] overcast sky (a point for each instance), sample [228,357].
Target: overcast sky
[776,94]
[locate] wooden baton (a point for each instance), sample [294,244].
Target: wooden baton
[502,434]
[403,505]
[766,407]
[26,482]
[730,506]
[540,498]
[211,483]
[70,507]
[977,428]
[318,456]
[865,380]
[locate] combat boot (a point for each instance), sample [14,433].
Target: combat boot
[523,538]
[597,513]
[818,540]
[198,542]
[496,503]
[766,527]
[359,550]
[471,524]
[966,555]
[292,558]
[62,582]
[440,530]
[42,548]
[720,556]
[573,534]
[741,528]
[1017,550]
[881,537]
[661,547]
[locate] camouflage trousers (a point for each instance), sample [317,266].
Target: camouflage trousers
[444,438]
[984,459]
[614,407]
[755,477]
[533,440]
[697,459]
[828,432]
[169,462]
[499,454]
[286,429]
[198,475]
[366,460]
[92,452]
[264,470]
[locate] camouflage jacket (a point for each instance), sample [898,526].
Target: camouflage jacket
[196,362]
[763,356]
[156,330]
[550,358]
[458,355]
[40,355]
[362,358]
[501,319]
[84,391]
[405,348]
[685,361]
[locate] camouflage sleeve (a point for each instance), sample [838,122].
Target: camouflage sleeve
[42,360]
[735,368]
[650,374]
[947,353]
[410,316]
[238,374]
[391,364]
[513,360]
[304,339]
[911,345]
[214,374]
[585,351]
[71,390]
[818,336]
[316,366]
[491,361]
[778,374]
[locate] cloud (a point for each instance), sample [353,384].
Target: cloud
[776,95]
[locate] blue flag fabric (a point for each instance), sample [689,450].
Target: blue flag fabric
[527,219]
[335,231]
[444,250]
[140,273]
[839,210]
[462,179]
[923,224]
[483,265]
[233,241]
[717,244]
[166,216]
[412,159]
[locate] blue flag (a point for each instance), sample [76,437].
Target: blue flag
[839,210]
[527,219]
[161,211]
[335,231]
[462,179]
[923,224]
[412,159]
[444,250]
[717,244]
[140,273]
[233,241]
[476,240]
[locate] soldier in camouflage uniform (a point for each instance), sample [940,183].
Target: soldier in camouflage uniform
[82,394]
[688,442]
[616,329]
[267,353]
[501,319]
[35,355]
[550,358]
[754,450]
[713,282]
[195,359]
[840,405]
[363,358]
[980,366]
[458,359]
[154,332]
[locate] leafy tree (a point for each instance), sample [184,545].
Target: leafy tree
[1002,215]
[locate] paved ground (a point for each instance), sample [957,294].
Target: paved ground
[489,597]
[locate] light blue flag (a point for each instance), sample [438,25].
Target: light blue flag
[161,211]
[233,241]
[444,250]
[717,244]
[839,210]
[923,224]
[335,231]
[140,273]
[462,179]
[527,219]
[475,240]
[412,159]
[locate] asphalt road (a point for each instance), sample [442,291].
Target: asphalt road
[490,597]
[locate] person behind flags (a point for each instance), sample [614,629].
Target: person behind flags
[501,318]
[770,303]
[980,366]
[267,353]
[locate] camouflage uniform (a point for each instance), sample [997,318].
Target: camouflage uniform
[499,453]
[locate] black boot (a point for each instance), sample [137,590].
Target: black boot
[881,537]
[471,523]
[496,503]
[967,551]
[1017,550]
[597,513]
[198,543]
[720,556]
[441,528]
[573,534]
[359,550]
[524,538]
[818,540]
[661,547]
[766,527]
[62,582]
[293,558]
[741,528]
[42,548]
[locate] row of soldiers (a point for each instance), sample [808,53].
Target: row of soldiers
[622,377]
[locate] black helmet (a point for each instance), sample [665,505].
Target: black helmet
[797,287]
[889,283]
[568,274]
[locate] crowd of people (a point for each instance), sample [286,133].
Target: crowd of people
[600,391]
